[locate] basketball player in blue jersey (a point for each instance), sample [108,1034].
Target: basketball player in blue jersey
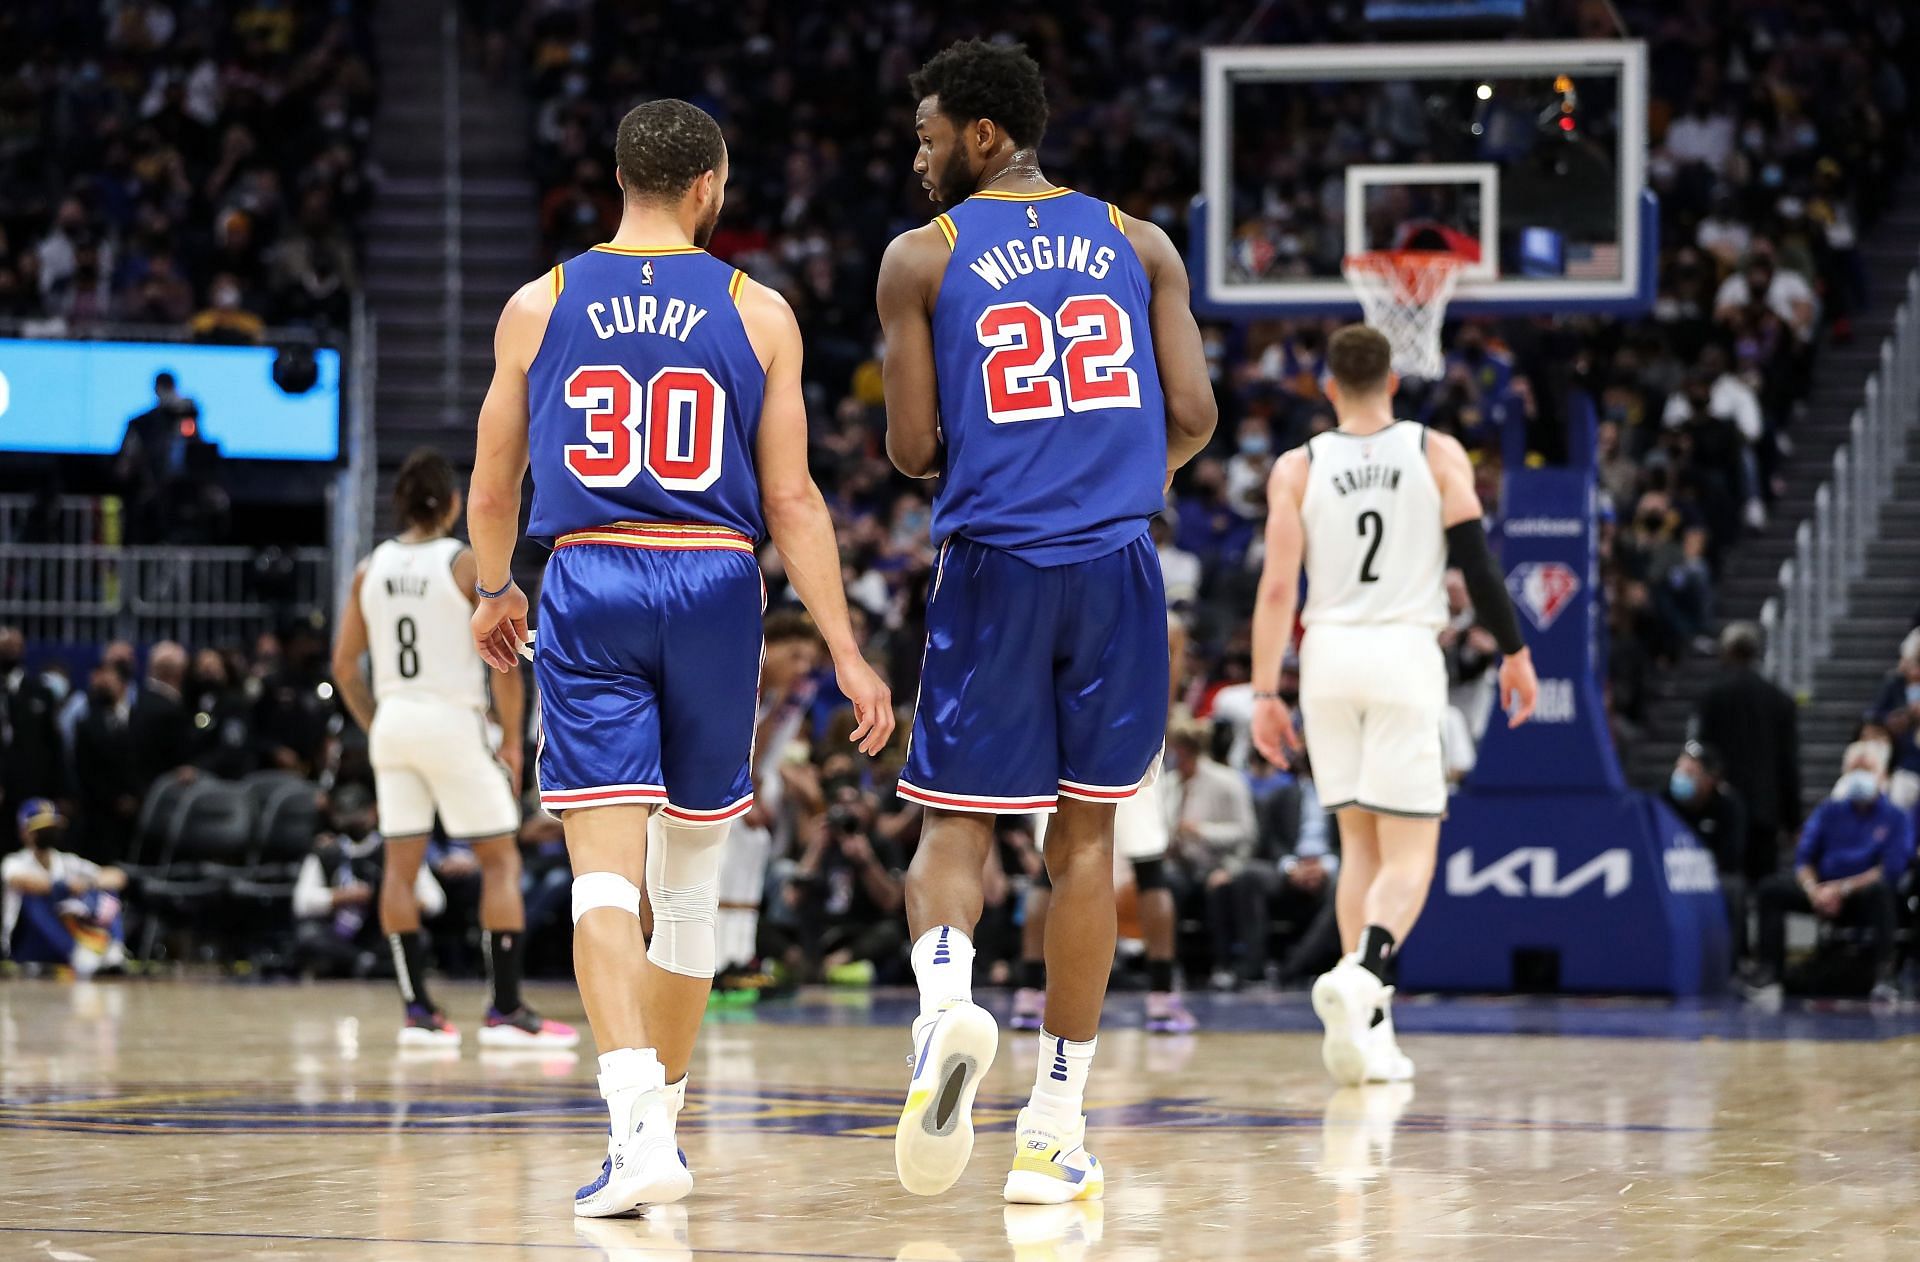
[656,392]
[1043,365]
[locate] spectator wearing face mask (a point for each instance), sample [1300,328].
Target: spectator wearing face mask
[58,908]
[1853,853]
[1249,467]
[103,757]
[224,321]
[1712,810]
[337,930]
[222,717]
[31,760]
[1897,708]
[1756,728]
[1761,283]
[1208,527]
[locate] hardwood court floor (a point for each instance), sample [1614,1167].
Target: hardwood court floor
[215,1121]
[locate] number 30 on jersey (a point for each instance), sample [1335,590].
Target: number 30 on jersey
[683,410]
[1018,372]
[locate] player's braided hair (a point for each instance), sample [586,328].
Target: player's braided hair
[423,490]
[663,146]
[975,79]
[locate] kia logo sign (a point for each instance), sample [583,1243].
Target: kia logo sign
[1534,872]
[1544,589]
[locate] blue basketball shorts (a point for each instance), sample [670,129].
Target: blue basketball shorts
[647,659]
[1039,681]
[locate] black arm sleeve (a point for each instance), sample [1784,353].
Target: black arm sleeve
[1468,552]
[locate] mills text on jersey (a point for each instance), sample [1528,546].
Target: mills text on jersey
[643,402]
[417,636]
[1051,412]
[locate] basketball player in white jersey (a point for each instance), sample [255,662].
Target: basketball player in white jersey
[1378,509]
[426,722]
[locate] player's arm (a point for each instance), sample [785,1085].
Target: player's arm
[28,878]
[349,646]
[1467,551]
[1192,411]
[499,466]
[797,516]
[1273,606]
[910,273]
[509,687]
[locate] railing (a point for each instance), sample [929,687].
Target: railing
[59,518]
[1830,548]
[91,593]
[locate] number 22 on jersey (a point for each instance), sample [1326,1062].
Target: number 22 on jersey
[1018,373]
[682,410]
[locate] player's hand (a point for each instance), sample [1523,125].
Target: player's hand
[1273,732]
[514,755]
[872,702]
[1519,688]
[500,628]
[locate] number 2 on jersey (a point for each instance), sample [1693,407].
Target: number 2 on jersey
[1018,372]
[1379,532]
[683,410]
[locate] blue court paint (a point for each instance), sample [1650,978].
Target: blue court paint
[1290,1012]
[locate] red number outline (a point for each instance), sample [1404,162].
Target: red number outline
[1023,389]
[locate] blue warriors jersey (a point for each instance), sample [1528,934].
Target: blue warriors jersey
[644,399]
[1051,415]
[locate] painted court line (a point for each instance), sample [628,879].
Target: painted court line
[639,1243]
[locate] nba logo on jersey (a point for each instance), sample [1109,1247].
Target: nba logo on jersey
[1033,217]
[1544,589]
[646,272]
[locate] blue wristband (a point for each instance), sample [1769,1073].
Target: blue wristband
[481,591]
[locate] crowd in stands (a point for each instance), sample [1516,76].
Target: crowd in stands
[1773,134]
[202,167]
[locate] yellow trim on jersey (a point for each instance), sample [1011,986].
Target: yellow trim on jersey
[1113,213]
[734,286]
[610,248]
[667,536]
[948,228]
[559,282]
[1000,196]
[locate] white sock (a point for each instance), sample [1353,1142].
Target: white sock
[626,1075]
[943,965]
[1060,1080]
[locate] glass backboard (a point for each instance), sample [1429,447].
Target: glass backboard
[1527,159]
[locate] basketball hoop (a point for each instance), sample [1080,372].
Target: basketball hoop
[1404,294]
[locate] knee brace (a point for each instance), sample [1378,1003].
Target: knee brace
[1150,874]
[683,884]
[604,889]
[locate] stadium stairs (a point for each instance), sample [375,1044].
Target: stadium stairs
[430,386]
[1882,603]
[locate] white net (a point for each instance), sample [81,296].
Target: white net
[1404,294]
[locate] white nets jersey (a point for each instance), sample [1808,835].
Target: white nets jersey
[1376,547]
[417,625]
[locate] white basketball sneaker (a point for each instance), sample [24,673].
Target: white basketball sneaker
[1345,998]
[1051,1164]
[953,1049]
[642,1167]
[1385,1061]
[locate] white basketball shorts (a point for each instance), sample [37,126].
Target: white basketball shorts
[433,758]
[1372,702]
